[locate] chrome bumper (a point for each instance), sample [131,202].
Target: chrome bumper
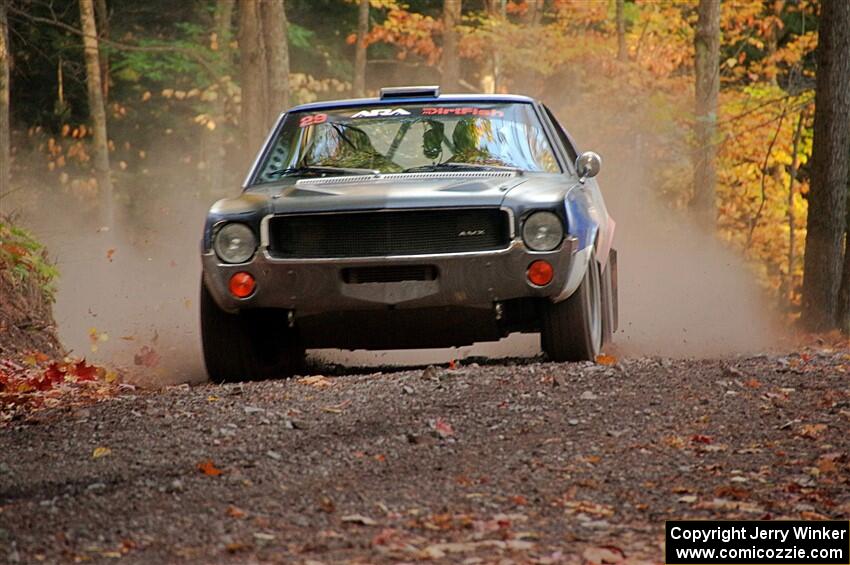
[311,286]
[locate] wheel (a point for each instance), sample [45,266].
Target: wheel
[572,329]
[254,344]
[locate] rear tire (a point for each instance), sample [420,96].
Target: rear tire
[250,345]
[572,329]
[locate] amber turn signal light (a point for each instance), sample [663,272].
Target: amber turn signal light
[540,273]
[242,284]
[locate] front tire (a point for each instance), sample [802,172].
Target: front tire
[250,345]
[572,329]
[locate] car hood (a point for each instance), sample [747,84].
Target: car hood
[390,191]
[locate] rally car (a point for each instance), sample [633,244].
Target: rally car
[411,220]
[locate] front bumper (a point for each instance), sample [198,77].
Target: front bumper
[312,286]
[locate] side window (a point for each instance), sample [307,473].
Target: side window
[572,154]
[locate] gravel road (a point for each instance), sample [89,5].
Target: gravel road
[519,461]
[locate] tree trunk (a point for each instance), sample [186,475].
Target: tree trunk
[707,63]
[253,76]
[492,82]
[273,21]
[5,135]
[451,67]
[775,8]
[828,194]
[102,17]
[360,53]
[97,111]
[788,295]
[533,12]
[216,153]
[622,52]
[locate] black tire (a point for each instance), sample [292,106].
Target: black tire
[250,345]
[610,306]
[572,329]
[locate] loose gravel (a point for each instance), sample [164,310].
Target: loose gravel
[517,461]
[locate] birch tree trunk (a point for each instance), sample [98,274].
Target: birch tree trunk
[707,63]
[826,222]
[5,126]
[360,54]
[97,111]
[451,67]
[102,18]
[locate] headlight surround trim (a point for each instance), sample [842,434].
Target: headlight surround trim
[234,242]
[543,231]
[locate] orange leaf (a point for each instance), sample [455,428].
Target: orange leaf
[208,468]
[812,431]
[606,360]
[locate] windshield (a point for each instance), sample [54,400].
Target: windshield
[409,137]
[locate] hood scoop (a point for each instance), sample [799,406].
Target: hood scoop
[354,179]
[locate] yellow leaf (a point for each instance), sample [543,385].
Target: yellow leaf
[100,452]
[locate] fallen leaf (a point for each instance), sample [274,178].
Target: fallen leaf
[752,383]
[606,360]
[235,547]
[337,408]
[812,431]
[604,554]
[699,438]
[234,512]
[100,452]
[208,468]
[316,381]
[826,463]
[443,428]
[83,372]
[109,254]
[359,519]
[326,504]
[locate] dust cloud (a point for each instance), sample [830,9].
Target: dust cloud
[128,298]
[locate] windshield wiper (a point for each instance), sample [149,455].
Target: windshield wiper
[468,166]
[302,169]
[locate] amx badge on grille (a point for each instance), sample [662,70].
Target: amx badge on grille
[467,233]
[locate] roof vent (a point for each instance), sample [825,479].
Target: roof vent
[394,92]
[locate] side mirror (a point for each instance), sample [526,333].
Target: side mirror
[588,165]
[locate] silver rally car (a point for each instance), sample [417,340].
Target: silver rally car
[412,220]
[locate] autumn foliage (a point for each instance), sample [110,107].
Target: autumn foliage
[41,383]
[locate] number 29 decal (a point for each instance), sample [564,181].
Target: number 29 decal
[312,119]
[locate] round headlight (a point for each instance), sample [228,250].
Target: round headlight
[543,231]
[235,243]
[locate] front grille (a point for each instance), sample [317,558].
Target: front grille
[395,273]
[392,232]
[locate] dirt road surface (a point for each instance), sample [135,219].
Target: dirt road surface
[517,461]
